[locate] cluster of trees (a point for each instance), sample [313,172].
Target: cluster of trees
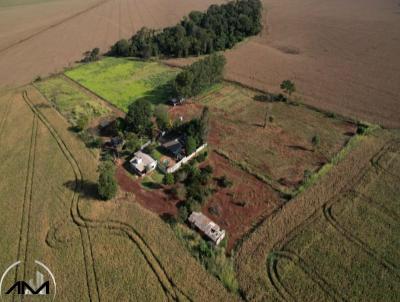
[107,184]
[219,28]
[199,76]
[196,188]
[91,56]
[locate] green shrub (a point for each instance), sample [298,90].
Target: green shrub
[169,179]
[107,184]
[224,182]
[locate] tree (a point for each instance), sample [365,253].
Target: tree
[121,48]
[162,117]
[169,179]
[107,185]
[190,145]
[138,118]
[288,87]
[200,76]
[204,124]
[132,142]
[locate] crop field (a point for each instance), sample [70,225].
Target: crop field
[280,151]
[50,203]
[123,81]
[69,100]
[341,244]
[45,37]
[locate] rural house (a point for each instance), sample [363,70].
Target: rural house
[207,227]
[175,147]
[142,163]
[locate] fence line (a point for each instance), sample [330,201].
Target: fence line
[183,161]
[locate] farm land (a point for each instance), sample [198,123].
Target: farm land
[60,220]
[269,161]
[313,210]
[122,81]
[266,148]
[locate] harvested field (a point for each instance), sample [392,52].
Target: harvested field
[46,37]
[341,54]
[50,195]
[123,81]
[335,241]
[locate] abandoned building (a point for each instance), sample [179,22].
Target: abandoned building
[209,228]
[142,163]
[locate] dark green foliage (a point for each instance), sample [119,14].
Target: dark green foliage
[205,124]
[183,214]
[361,128]
[202,157]
[199,76]
[316,140]
[132,142]
[138,118]
[107,184]
[224,182]
[190,145]
[162,118]
[121,48]
[82,122]
[288,87]
[91,56]
[219,28]
[90,140]
[169,179]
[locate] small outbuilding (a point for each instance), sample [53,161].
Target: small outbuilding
[209,228]
[177,101]
[142,163]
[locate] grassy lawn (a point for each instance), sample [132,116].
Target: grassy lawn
[123,81]
[70,100]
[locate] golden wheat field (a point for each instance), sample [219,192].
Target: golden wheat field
[103,251]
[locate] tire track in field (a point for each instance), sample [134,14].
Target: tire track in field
[347,189]
[392,145]
[30,37]
[307,269]
[86,245]
[170,289]
[376,161]
[27,204]
[330,218]
[5,114]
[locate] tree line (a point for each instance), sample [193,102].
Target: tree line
[199,76]
[219,28]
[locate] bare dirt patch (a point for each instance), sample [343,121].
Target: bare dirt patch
[241,205]
[153,200]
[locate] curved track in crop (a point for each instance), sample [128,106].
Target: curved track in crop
[284,292]
[170,289]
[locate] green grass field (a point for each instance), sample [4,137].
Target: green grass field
[70,100]
[123,81]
